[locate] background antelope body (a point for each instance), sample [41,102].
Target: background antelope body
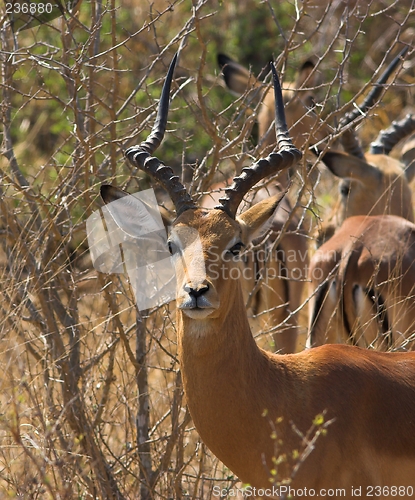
[364,277]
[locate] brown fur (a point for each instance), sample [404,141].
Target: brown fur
[366,256]
[376,185]
[369,262]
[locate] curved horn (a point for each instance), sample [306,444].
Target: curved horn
[389,138]
[140,156]
[349,139]
[285,157]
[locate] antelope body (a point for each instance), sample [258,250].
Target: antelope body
[238,393]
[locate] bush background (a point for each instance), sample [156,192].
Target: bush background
[91,398]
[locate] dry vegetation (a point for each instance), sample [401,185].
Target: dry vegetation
[90,392]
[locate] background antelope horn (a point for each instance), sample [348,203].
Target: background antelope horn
[349,139]
[389,138]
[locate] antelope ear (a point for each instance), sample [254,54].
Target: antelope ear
[166,216]
[347,166]
[258,219]
[111,193]
[132,215]
[238,79]
[304,73]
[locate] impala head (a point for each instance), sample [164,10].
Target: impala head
[205,243]
[298,97]
[373,185]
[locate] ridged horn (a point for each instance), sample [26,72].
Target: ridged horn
[349,139]
[286,156]
[389,138]
[140,156]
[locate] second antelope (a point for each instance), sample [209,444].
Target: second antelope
[254,409]
[364,276]
[373,183]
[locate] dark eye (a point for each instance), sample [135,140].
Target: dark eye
[310,102]
[172,247]
[236,249]
[345,189]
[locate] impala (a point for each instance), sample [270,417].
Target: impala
[372,183]
[240,397]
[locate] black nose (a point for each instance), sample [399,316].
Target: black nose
[196,292]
